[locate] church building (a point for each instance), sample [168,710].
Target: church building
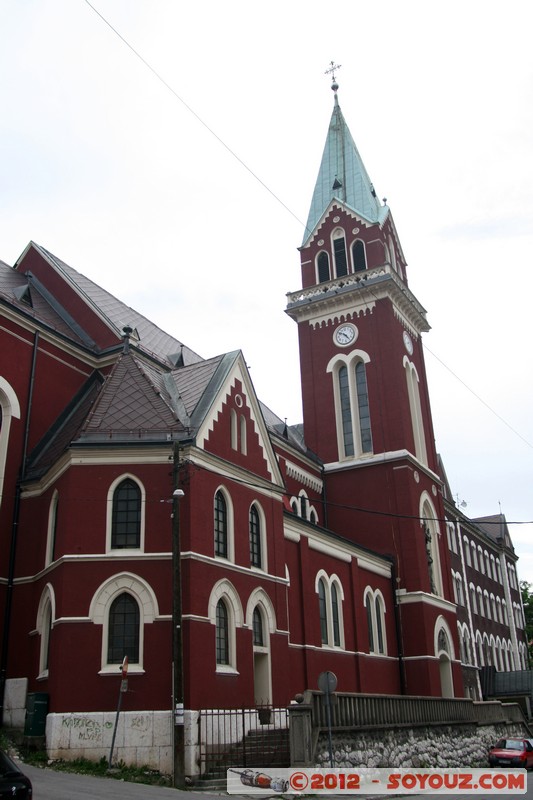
[144,487]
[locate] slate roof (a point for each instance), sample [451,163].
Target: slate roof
[130,406]
[117,314]
[495,527]
[14,287]
[342,176]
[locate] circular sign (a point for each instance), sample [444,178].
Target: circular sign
[327,682]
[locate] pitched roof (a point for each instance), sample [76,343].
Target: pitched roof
[25,294]
[117,314]
[342,176]
[130,406]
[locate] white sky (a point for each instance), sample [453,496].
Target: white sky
[104,166]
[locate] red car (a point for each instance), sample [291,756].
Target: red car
[513,752]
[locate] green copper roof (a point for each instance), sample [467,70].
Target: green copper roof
[342,176]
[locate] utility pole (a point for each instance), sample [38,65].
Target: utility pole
[177,633]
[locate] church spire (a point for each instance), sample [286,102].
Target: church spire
[342,175]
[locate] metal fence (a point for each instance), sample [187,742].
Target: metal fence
[242,737]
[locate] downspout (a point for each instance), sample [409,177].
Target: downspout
[14,535]
[398,627]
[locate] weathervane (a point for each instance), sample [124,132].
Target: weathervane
[331,71]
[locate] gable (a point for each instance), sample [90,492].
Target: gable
[234,428]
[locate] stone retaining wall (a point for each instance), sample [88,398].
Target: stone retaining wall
[424,747]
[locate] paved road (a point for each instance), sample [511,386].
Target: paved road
[51,785]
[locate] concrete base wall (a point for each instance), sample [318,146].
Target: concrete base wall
[15,702]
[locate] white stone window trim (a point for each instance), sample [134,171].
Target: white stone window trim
[10,409]
[329,582]
[229,524]
[262,536]
[124,551]
[46,615]
[107,592]
[376,599]
[226,591]
[350,361]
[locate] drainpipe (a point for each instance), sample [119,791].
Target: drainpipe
[398,626]
[14,535]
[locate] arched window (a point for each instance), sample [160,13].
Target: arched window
[474,555]
[222,634]
[322,607]
[233,429]
[358,256]
[364,408]
[123,630]
[346,412]
[45,619]
[466,549]
[9,409]
[330,596]
[257,626]
[52,529]
[255,538]
[335,615]
[244,438]
[417,421]
[473,599]
[370,622]
[352,407]
[379,623]
[375,615]
[45,638]
[322,264]
[221,525]
[126,516]
[339,252]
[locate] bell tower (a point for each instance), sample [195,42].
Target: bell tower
[366,405]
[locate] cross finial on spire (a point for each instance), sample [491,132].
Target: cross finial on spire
[331,71]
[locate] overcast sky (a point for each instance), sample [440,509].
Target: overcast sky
[188,200]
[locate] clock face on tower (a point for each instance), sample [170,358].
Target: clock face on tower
[345,335]
[408,343]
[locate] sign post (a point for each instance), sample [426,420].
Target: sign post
[123,689]
[327,683]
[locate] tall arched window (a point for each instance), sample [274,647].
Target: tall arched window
[221,525]
[335,615]
[257,626]
[322,264]
[222,634]
[364,408]
[52,528]
[346,412]
[339,251]
[417,421]
[255,538]
[322,607]
[330,597]
[378,603]
[354,430]
[9,409]
[370,622]
[123,630]
[358,256]
[126,516]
